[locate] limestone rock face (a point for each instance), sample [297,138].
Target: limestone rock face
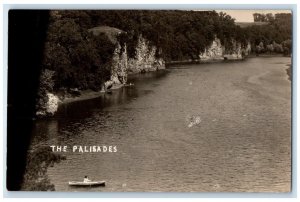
[50,106]
[277,47]
[248,48]
[215,51]
[117,67]
[145,60]
[236,52]
[52,103]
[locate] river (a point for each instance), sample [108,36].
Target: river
[241,142]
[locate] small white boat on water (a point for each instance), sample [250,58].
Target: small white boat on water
[89,183]
[194,120]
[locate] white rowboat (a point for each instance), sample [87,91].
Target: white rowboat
[91,183]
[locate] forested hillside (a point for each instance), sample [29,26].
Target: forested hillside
[76,57]
[274,35]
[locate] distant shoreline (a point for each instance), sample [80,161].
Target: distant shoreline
[219,60]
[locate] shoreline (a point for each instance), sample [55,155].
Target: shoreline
[220,60]
[205,61]
[90,94]
[85,95]
[289,71]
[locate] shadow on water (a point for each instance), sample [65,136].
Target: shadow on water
[84,109]
[67,125]
[72,120]
[26,35]
[76,114]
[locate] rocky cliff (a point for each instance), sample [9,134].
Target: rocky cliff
[216,51]
[145,60]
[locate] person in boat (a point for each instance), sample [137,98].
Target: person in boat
[86,179]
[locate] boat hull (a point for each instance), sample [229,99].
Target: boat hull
[87,184]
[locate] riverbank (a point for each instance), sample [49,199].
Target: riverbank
[84,95]
[288,71]
[90,94]
[206,61]
[221,59]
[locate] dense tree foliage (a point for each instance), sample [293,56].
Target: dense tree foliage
[82,60]
[178,35]
[260,17]
[278,32]
[38,161]
[78,58]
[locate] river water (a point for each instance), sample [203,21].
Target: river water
[241,141]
